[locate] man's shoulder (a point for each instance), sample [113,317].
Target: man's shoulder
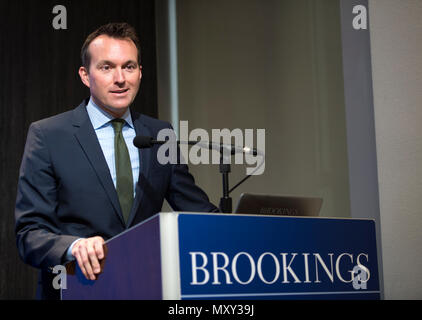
[61,121]
[55,119]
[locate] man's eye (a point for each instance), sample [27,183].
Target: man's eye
[130,67]
[105,67]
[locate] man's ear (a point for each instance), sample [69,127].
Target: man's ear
[140,72]
[83,73]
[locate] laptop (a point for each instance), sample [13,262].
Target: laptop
[278,205]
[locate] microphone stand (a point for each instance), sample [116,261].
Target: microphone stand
[225,200]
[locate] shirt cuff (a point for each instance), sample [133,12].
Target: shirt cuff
[69,256]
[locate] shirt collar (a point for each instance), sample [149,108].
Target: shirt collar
[100,118]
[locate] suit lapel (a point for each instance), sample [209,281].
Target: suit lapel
[144,164]
[88,140]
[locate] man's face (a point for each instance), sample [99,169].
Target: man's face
[114,74]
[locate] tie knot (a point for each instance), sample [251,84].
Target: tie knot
[117,125]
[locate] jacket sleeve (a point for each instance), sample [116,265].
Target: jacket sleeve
[38,237]
[183,194]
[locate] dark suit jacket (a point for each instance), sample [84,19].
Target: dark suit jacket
[65,190]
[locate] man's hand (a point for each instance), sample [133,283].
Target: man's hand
[88,253]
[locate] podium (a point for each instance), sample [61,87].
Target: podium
[232,256]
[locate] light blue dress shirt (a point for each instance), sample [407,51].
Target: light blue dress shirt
[101,122]
[104,130]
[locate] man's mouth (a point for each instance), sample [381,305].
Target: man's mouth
[120,91]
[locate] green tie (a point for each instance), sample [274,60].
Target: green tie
[124,179]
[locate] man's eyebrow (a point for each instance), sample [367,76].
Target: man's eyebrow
[130,62]
[103,62]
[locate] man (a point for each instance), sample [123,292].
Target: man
[81,180]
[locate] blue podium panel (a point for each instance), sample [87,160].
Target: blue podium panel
[267,257]
[131,268]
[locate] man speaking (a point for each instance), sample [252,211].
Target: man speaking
[81,179]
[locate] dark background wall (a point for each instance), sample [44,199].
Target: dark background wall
[38,79]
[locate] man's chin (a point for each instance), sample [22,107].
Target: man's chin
[120,104]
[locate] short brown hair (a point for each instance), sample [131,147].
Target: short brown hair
[121,30]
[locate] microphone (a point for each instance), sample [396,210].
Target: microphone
[142,142]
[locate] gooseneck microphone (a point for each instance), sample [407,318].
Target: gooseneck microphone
[142,142]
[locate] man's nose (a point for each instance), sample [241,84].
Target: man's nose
[119,76]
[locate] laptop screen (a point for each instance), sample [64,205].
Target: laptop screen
[278,205]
